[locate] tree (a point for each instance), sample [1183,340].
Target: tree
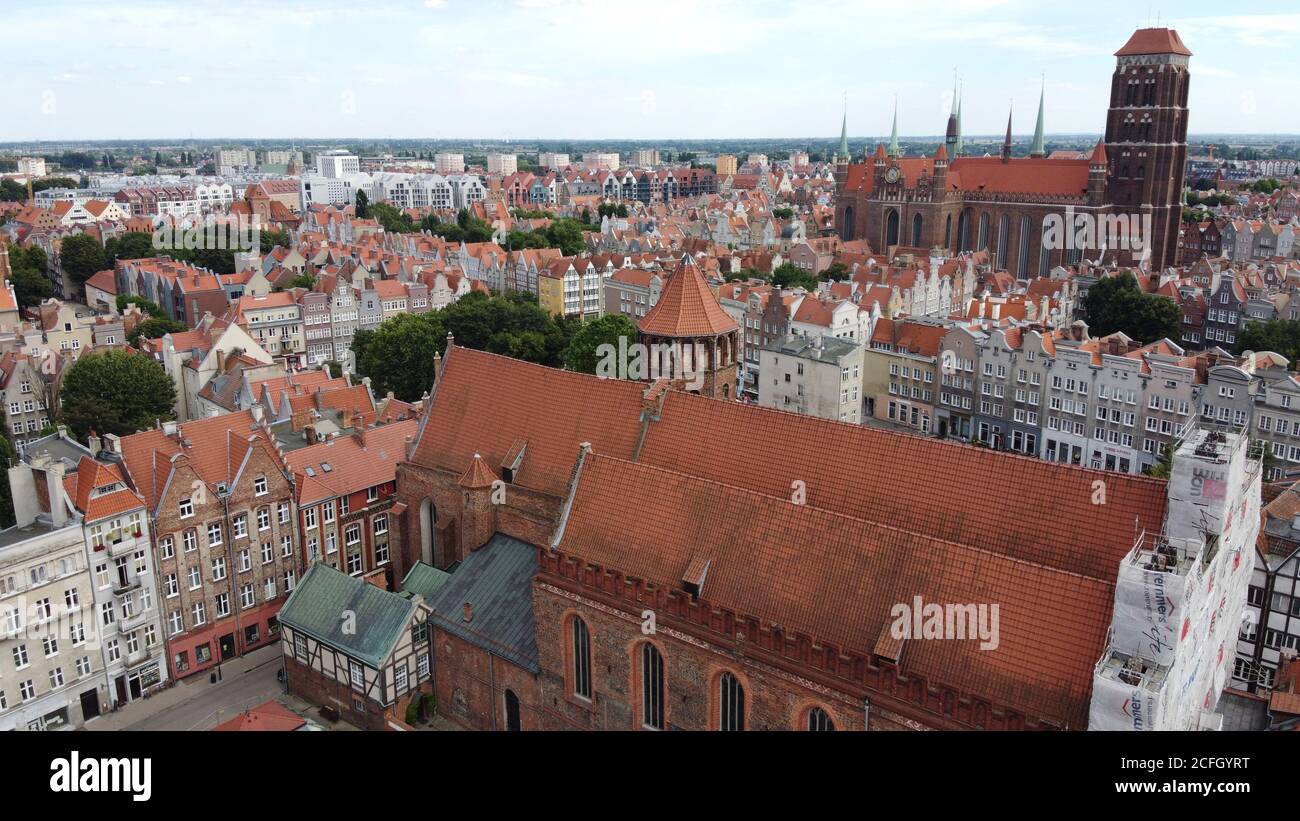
[7,458]
[783,213]
[145,305]
[82,257]
[1117,303]
[398,355]
[1280,336]
[27,275]
[363,205]
[131,245]
[154,328]
[268,240]
[835,272]
[583,353]
[303,280]
[117,391]
[788,276]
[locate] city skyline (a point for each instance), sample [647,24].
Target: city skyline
[444,69]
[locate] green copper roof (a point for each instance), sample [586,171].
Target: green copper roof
[424,579]
[347,614]
[1037,149]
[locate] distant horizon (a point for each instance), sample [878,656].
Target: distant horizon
[664,142]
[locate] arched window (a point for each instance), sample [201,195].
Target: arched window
[581,651]
[947,232]
[891,229]
[731,704]
[428,524]
[1004,238]
[983,243]
[652,687]
[1022,257]
[512,712]
[1142,172]
[1044,252]
[917,224]
[819,721]
[846,230]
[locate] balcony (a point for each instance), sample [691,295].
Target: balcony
[126,544]
[138,657]
[122,587]
[127,624]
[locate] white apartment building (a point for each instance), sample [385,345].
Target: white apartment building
[320,189]
[235,158]
[31,166]
[502,164]
[645,157]
[550,159]
[446,164]
[51,667]
[411,190]
[818,375]
[601,160]
[336,164]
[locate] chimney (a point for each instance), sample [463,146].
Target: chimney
[93,443]
[221,361]
[54,485]
[468,611]
[310,433]
[114,443]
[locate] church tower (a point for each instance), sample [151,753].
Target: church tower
[1146,136]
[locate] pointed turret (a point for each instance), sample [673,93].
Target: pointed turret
[950,135]
[1006,142]
[893,134]
[1037,149]
[844,136]
[961,149]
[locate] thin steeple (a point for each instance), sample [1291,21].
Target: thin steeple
[960,142]
[844,130]
[893,134]
[1006,142]
[1037,149]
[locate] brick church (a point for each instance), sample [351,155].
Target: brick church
[959,202]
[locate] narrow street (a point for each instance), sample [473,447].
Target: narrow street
[198,704]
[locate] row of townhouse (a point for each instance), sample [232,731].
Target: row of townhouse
[79,606]
[1057,395]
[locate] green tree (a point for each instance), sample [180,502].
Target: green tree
[363,205]
[154,328]
[1117,303]
[268,240]
[7,458]
[583,353]
[117,392]
[131,245]
[788,276]
[27,275]
[147,306]
[398,355]
[82,257]
[303,280]
[1278,335]
[783,213]
[835,272]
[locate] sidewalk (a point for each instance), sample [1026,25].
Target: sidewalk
[195,686]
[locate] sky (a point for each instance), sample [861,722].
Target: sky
[615,69]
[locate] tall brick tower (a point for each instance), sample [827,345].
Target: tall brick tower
[1146,135]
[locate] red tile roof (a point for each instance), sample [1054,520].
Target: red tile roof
[837,578]
[1154,41]
[687,307]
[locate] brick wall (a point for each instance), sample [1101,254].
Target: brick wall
[470,684]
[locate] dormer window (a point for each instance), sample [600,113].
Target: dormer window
[259,486]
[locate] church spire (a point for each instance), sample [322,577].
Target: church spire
[844,132]
[1037,149]
[960,143]
[893,135]
[1006,142]
[950,136]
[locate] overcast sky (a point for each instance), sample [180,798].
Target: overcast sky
[628,69]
